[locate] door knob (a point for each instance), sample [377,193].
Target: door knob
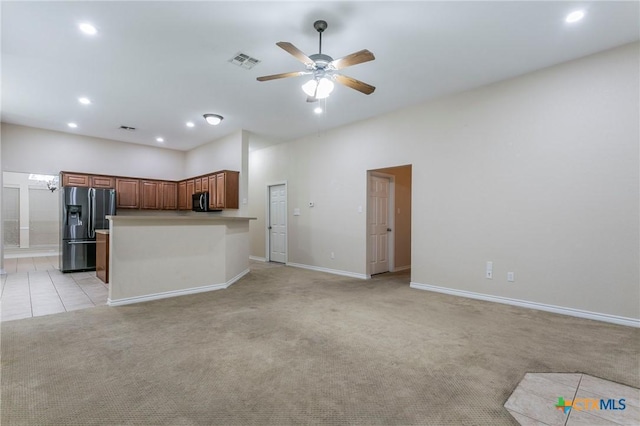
[388,229]
[269,226]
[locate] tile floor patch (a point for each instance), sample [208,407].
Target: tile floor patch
[34,287]
[535,400]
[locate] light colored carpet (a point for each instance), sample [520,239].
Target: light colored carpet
[286,346]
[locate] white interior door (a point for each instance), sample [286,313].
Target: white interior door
[378,227]
[278,223]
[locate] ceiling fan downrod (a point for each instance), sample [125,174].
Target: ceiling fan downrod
[320,26]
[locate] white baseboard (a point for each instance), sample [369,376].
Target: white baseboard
[258,259]
[630,322]
[31,254]
[330,271]
[237,277]
[401,268]
[175,293]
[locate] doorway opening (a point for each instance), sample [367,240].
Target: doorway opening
[277,223]
[389,220]
[30,216]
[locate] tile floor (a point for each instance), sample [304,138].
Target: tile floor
[536,396]
[33,286]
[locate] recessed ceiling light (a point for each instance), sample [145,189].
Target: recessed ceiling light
[574,16]
[190,124]
[88,29]
[84,101]
[159,140]
[72,125]
[318,110]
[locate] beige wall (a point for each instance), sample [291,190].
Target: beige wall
[222,154]
[31,150]
[227,153]
[538,174]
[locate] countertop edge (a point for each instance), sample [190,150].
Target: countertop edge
[181,218]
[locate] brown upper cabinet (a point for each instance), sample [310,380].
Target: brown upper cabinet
[201,184]
[212,191]
[127,193]
[183,202]
[191,189]
[150,195]
[102,182]
[93,181]
[74,179]
[169,195]
[224,190]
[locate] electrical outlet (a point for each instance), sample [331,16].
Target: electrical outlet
[489,271]
[510,277]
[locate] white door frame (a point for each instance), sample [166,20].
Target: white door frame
[391,214]
[267,234]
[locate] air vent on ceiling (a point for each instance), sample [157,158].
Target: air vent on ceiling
[243,60]
[131,129]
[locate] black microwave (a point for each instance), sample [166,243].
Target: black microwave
[200,202]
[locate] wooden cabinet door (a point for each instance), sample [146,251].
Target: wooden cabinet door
[198,184]
[127,193]
[169,192]
[205,184]
[232,190]
[183,203]
[212,191]
[227,190]
[74,179]
[220,193]
[190,191]
[102,256]
[102,182]
[150,191]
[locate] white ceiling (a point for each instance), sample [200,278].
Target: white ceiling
[157,65]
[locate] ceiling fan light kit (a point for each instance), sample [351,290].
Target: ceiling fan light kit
[323,68]
[318,89]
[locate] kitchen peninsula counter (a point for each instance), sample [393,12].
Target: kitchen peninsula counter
[154,257]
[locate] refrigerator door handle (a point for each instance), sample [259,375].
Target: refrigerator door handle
[81,242]
[92,212]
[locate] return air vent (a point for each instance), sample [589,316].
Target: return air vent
[130,129]
[243,60]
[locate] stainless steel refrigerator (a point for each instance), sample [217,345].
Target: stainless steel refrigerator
[83,211]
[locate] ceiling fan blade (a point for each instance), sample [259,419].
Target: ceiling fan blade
[297,53]
[353,59]
[283,75]
[358,85]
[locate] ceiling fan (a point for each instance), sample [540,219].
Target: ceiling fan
[323,69]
